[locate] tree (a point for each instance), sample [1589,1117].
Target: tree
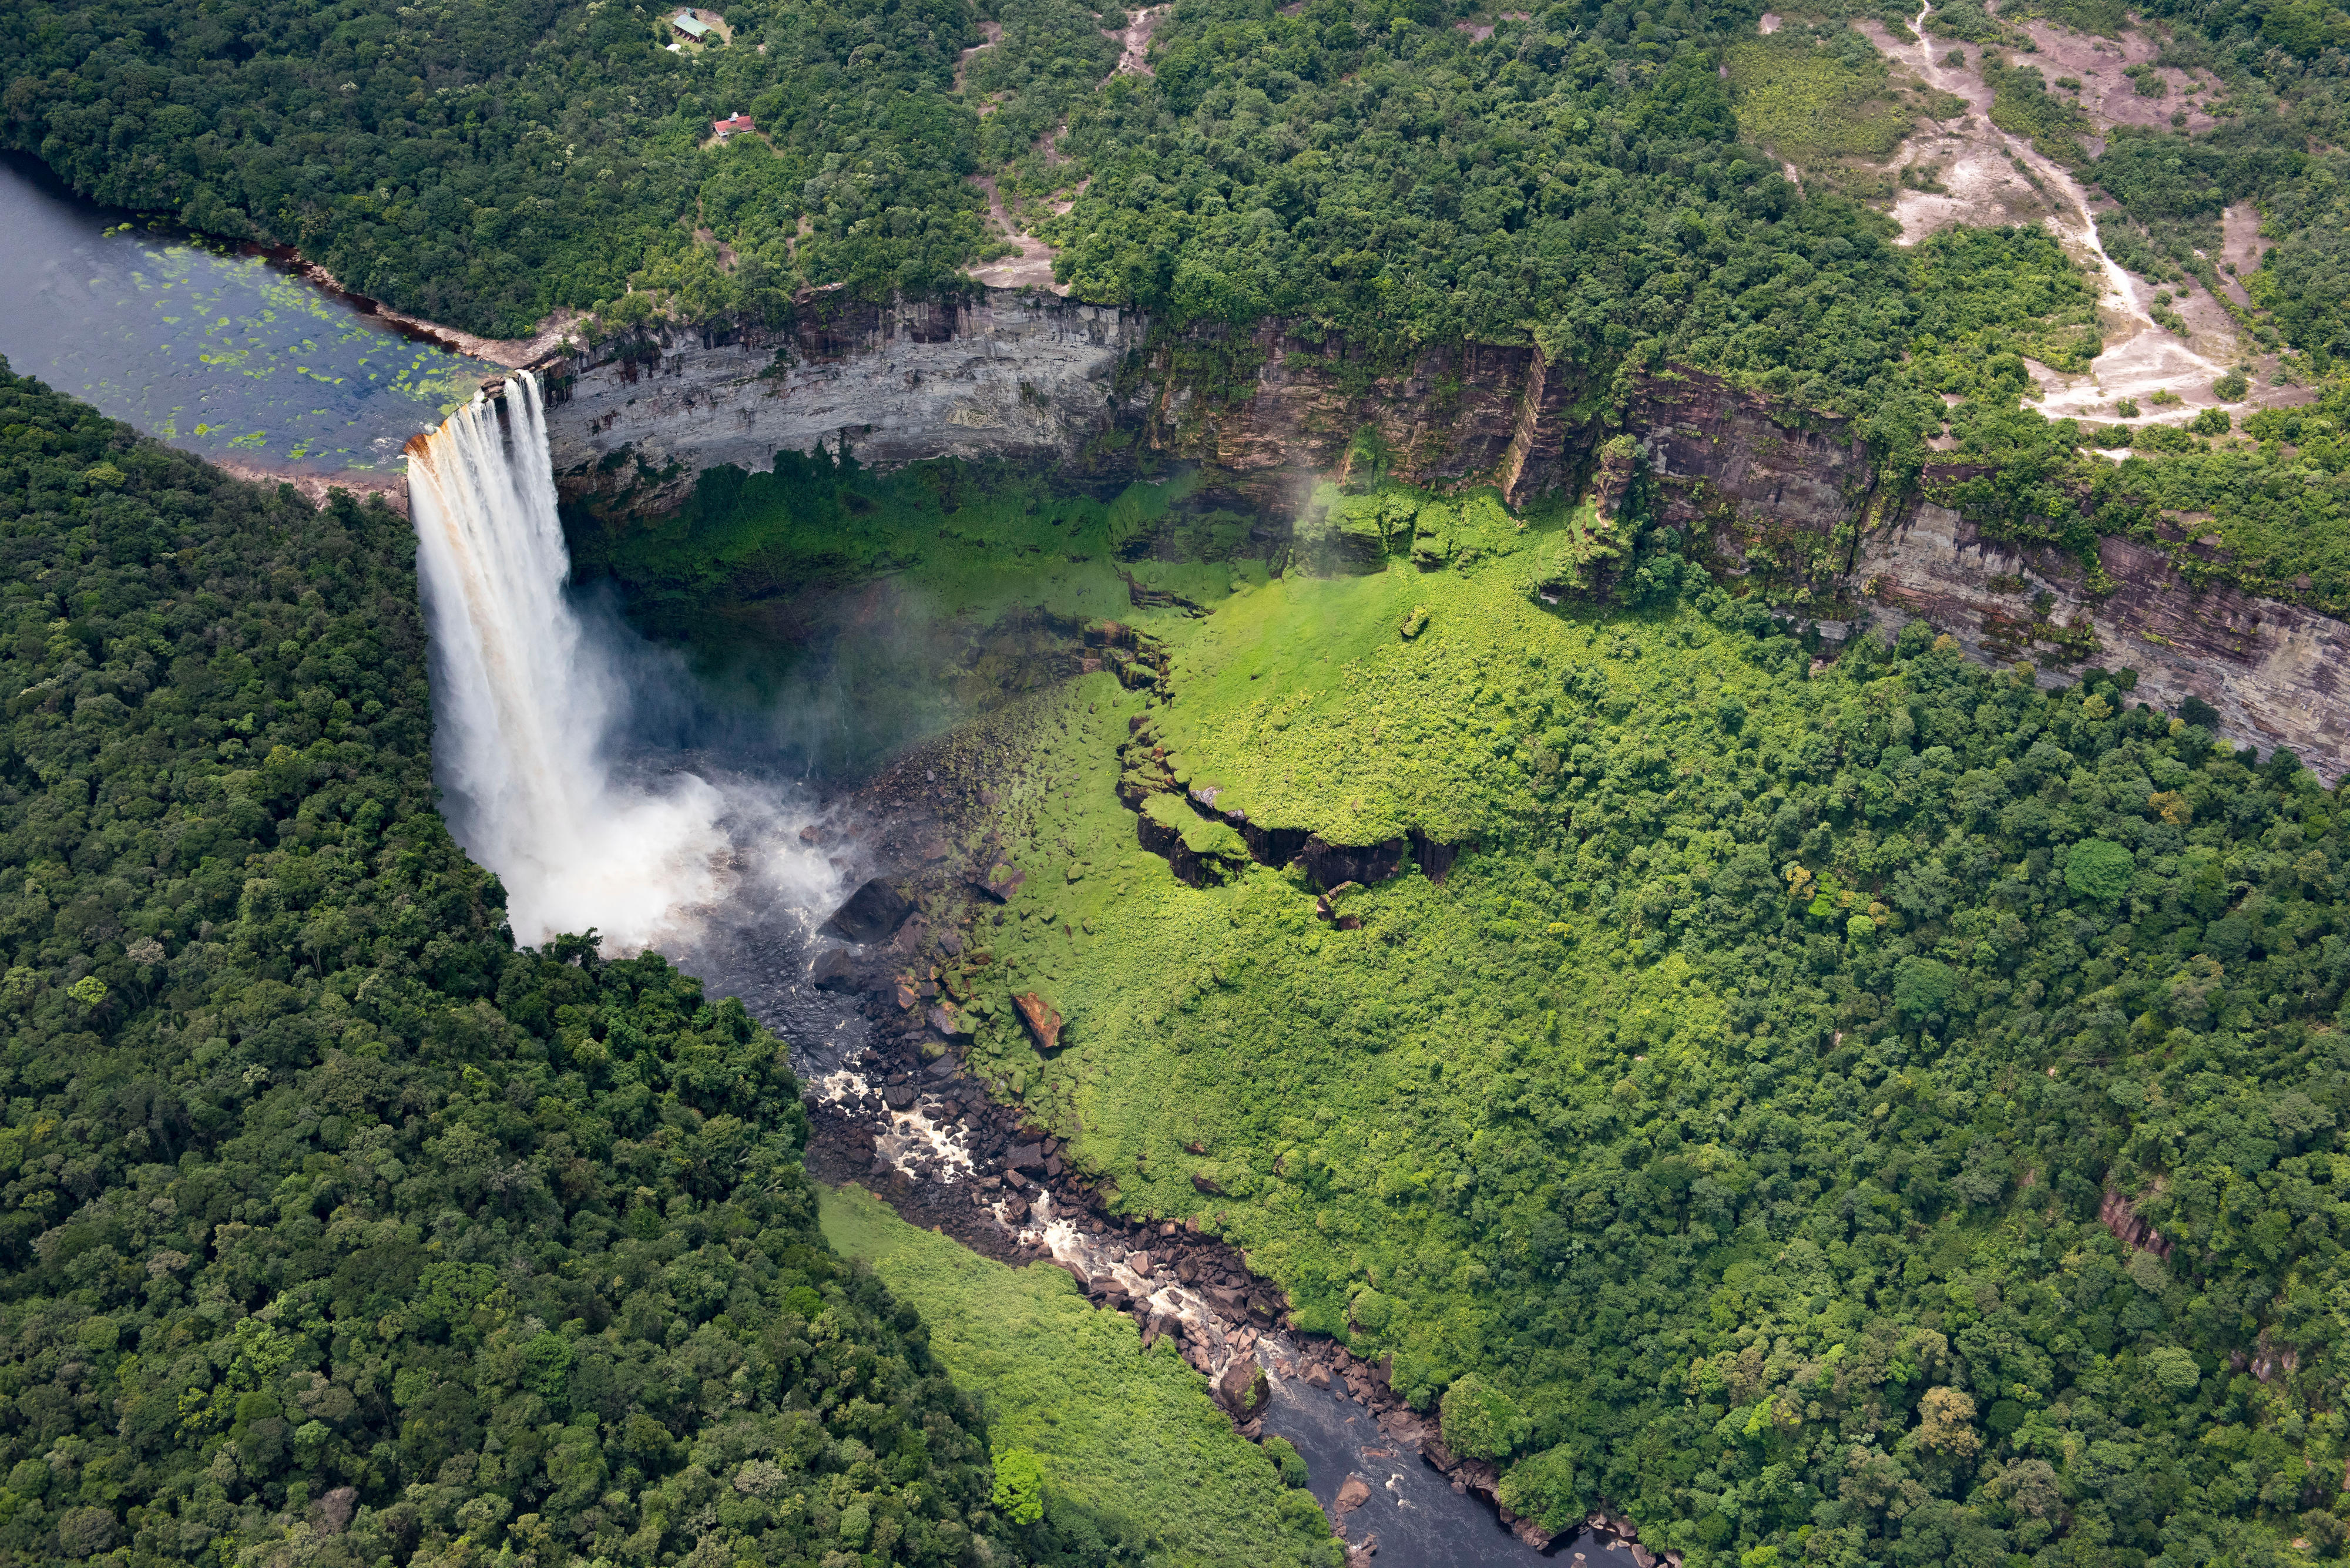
[2099,868]
[1019,1491]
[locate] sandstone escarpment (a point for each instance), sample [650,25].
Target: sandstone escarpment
[1011,374]
[1787,498]
[1286,410]
[1791,500]
[2271,669]
[1768,488]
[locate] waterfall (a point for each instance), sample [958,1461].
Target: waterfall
[528,702]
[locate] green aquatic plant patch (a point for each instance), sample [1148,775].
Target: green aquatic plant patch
[1130,1452]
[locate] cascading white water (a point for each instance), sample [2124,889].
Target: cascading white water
[527,701]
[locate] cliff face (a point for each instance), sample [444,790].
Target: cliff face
[1453,415]
[1025,376]
[2271,669]
[1758,486]
[1794,502]
[1786,497]
[1013,375]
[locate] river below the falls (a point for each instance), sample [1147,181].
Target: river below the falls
[225,354]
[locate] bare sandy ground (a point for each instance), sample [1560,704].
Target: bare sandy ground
[314,486]
[1991,177]
[2109,97]
[1134,41]
[1033,267]
[994,31]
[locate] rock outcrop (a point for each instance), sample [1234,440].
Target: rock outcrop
[1012,374]
[1791,499]
[1022,374]
[2273,670]
[1463,413]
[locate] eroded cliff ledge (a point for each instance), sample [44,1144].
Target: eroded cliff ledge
[1787,499]
[1792,501]
[1008,375]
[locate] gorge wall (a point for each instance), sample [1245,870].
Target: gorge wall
[1009,375]
[1784,497]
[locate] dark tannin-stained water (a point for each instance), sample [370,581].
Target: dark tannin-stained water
[221,354]
[1419,1520]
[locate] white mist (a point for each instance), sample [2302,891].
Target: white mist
[528,702]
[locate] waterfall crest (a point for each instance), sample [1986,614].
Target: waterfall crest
[527,701]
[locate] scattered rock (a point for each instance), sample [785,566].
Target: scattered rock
[999,881]
[948,1020]
[1202,1182]
[873,914]
[951,942]
[1026,1157]
[1353,1492]
[833,971]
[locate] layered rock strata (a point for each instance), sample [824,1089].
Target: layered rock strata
[1790,498]
[1024,375]
[1452,415]
[2272,670]
[1009,375]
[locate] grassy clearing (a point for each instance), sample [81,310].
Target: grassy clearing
[1812,98]
[1129,1441]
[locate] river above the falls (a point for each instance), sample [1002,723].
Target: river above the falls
[223,354]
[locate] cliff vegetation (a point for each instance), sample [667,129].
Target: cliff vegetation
[1881,1115]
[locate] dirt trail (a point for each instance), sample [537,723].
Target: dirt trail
[994,32]
[1033,267]
[2139,357]
[1134,40]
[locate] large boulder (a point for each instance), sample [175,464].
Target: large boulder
[1243,1390]
[834,970]
[1043,1024]
[873,914]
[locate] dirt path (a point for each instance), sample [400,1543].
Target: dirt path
[1134,41]
[994,31]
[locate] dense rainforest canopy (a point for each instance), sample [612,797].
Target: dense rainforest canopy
[1579,175]
[338,1228]
[1890,1113]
